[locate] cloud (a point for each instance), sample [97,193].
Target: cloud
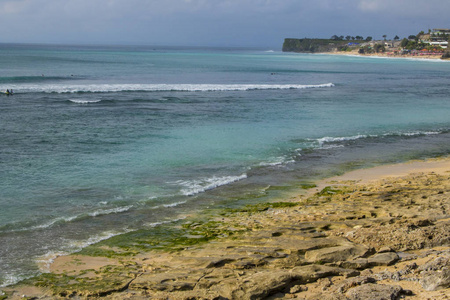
[206,22]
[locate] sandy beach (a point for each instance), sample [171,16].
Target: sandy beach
[387,54]
[379,233]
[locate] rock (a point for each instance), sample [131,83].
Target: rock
[385,249]
[358,264]
[437,264]
[165,282]
[436,280]
[297,289]
[336,254]
[257,285]
[383,259]
[375,292]
[353,282]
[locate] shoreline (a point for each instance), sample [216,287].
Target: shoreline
[349,233]
[386,55]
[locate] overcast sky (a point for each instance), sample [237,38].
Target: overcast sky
[247,23]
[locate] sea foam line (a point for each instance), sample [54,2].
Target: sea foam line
[84,101]
[334,142]
[193,187]
[105,88]
[96,213]
[72,246]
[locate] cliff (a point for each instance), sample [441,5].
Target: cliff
[312,45]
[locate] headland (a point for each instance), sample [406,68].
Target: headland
[380,233]
[431,45]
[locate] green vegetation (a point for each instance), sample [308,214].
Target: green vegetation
[265,206]
[178,236]
[89,283]
[311,45]
[329,191]
[307,185]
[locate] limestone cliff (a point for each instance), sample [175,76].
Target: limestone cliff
[312,45]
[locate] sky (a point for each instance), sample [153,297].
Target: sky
[225,23]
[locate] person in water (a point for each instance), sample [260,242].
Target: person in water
[9,92]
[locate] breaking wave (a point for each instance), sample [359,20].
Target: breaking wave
[111,88]
[193,187]
[84,101]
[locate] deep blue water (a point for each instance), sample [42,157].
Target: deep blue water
[98,141]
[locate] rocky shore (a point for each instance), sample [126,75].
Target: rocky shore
[380,233]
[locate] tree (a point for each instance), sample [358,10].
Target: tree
[396,38]
[348,38]
[412,37]
[384,36]
[359,38]
[379,48]
[404,43]
[368,39]
[337,38]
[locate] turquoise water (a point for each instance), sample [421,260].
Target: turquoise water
[99,141]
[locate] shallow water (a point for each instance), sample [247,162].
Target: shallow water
[99,141]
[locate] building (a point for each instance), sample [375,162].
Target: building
[439,31]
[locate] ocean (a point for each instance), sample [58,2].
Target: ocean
[99,141]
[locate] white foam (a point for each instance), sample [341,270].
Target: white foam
[44,262]
[193,187]
[84,101]
[115,210]
[54,221]
[340,139]
[104,88]
[78,245]
[276,162]
[413,133]
[174,204]
[9,279]
[163,222]
[326,140]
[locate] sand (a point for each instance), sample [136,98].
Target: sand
[368,234]
[387,54]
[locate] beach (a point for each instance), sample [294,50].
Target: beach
[389,55]
[377,233]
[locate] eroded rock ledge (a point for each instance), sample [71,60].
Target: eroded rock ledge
[385,240]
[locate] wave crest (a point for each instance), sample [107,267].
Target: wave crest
[193,187]
[111,88]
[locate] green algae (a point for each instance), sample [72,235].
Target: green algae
[259,207]
[102,282]
[165,237]
[307,185]
[169,237]
[178,235]
[331,191]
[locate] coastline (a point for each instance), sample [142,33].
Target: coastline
[368,231]
[387,55]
